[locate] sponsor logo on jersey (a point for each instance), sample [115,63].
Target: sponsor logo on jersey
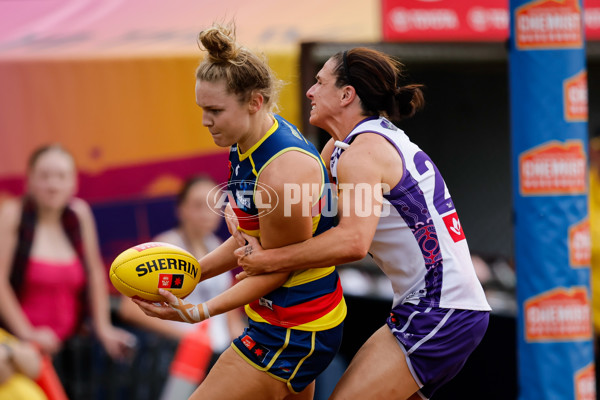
[454,227]
[265,303]
[388,125]
[243,199]
[580,244]
[170,281]
[575,97]
[558,315]
[549,24]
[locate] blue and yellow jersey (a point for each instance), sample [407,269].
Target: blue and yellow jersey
[310,299]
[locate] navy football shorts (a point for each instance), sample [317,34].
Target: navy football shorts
[289,355]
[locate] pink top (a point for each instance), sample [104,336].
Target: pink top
[51,294]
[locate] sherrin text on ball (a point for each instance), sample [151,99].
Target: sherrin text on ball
[143,269]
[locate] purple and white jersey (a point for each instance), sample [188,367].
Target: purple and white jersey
[419,242]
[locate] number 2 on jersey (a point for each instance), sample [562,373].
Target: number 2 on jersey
[441,203]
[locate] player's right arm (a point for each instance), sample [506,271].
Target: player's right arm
[371,162]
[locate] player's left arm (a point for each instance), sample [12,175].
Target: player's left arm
[220,260]
[286,224]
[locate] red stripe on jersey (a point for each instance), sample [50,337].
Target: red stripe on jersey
[301,313]
[246,221]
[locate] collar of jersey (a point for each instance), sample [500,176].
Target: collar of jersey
[349,138]
[256,145]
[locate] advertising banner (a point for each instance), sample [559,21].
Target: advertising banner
[465,20]
[548,106]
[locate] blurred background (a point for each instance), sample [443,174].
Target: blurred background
[113,81]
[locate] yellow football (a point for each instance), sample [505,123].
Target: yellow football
[143,269]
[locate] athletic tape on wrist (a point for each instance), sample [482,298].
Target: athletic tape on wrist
[205,309]
[189,312]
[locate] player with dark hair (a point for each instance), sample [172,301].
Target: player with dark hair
[439,312]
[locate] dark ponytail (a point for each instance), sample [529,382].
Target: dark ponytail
[376,76]
[409,99]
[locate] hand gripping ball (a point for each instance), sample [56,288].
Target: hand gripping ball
[143,269]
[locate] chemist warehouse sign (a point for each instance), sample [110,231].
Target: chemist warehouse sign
[482,20]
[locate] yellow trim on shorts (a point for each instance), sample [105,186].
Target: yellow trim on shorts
[287,341]
[265,369]
[312,350]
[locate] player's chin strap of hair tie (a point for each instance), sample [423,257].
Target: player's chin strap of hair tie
[341,145]
[189,312]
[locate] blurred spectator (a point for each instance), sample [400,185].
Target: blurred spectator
[51,272]
[20,366]
[200,344]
